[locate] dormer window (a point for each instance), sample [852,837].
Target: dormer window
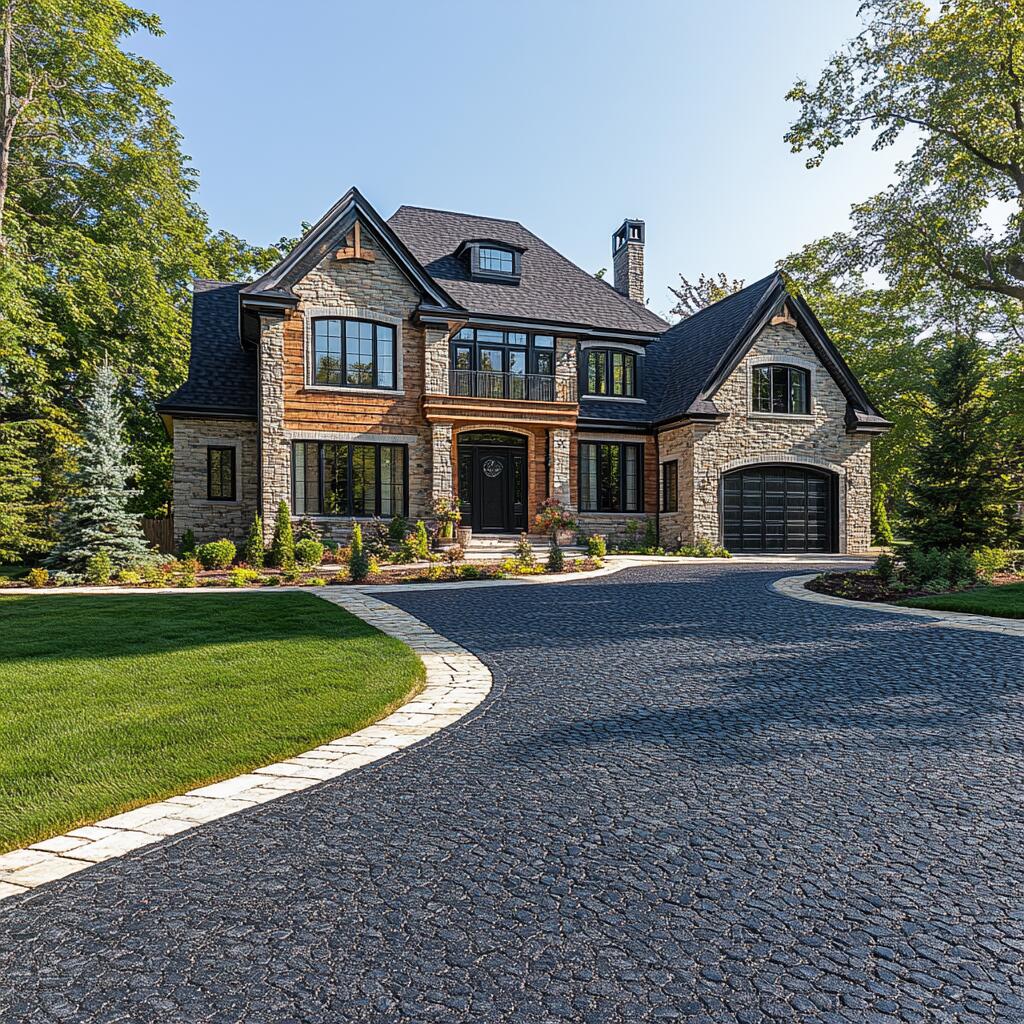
[492,259]
[496,261]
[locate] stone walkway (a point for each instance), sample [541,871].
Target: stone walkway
[687,797]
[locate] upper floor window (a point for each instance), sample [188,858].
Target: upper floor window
[610,372]
[496,261]
[353,353]
[778,388]
[503,364]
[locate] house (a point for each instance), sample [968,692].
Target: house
[383,363]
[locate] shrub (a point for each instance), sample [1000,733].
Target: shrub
[434,572]
[556,556]
[471,572]
[452,555]
[309,552]
[154,574]
[632,531]
[358,559]
[963,569]
[67,579]
[217,554]
[129,577]
[242,577]
[308,530]
[650,534]
[989,561]
[99,568]
[406,549]
[291,574]
[597,546]
[524,550]
[376,539]
[188,542]
[554,516]
[254,553]
[316,581]
[282,545]
[185,573]
[421,545]
[509,566]
[38,577]
[398,528]
[885,568]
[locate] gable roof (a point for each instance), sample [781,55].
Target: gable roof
[689,363]
[221,373]
[551,287]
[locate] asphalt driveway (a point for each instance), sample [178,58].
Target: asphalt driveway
[687,798]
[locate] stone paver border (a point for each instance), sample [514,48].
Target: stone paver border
[456,682]
[795,586]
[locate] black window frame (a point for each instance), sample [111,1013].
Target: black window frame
[773,369]
[350,489]
[376,325]
[606,376]
[233,472]
[536,345]
[600,505]
[500,252]
[670,468]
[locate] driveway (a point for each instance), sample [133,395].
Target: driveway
[687,798]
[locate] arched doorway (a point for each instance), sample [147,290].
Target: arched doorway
[780,508]
[492,480]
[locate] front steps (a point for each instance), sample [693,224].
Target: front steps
[496,547]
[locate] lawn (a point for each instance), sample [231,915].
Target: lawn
[1006,600]
[115,701]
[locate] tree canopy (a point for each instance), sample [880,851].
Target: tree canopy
[693,296]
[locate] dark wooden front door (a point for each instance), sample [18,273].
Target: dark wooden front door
[779,508]
[492,483]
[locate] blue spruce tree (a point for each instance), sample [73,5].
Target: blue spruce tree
[95,516]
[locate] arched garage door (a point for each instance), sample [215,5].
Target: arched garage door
[780,508]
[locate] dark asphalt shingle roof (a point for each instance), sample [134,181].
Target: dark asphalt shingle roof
[221,374]
[551,287]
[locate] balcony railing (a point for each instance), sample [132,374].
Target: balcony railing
[524,387]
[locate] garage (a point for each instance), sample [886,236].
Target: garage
[781,509]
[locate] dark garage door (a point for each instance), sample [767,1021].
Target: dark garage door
[778,508]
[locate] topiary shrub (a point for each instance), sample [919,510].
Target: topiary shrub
[188,542]
[358,559]
[650,534]
[38,577]
[99,568]
[282,546]
[556,556]
[421,542]
[524,550]
[309,552]
[398,528]
[217,554]
[254,554]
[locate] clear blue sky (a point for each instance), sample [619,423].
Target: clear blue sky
[567,116]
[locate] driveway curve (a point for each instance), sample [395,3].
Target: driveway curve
[687,798]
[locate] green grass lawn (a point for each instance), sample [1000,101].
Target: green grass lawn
[1006,600]
[111,702]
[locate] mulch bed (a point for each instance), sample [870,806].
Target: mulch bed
[862,585]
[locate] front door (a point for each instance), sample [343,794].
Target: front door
[493,482]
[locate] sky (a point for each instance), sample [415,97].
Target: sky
[567,116]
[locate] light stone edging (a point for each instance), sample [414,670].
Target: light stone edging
[456,683]
[794,586]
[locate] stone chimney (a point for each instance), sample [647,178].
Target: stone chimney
[628,259]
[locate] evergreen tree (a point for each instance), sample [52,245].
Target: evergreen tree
[282,544]
[95,517]
[17,533]
[960,493]
[254,553]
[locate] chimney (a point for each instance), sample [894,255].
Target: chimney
[628,259]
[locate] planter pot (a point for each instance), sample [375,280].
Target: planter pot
[565,537]
[465,535]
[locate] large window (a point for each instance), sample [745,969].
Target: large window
[353,353]
[611,477]
[220,473]
[670,486]
[345,479]
[777,388]
[610,372]
[503,364]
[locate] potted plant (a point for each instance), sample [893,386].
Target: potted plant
[556,520]
[446,513]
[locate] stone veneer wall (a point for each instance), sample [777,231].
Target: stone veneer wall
[819,439]
[211,520]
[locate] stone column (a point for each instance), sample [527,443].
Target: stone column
[275,453]
[442,486]
[436,361]
[560,482]
[565,368]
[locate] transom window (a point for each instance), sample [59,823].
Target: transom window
[496,261]
[332,478]
[611,477]
[353,353]
[779,388]
[610,372]
[220,473]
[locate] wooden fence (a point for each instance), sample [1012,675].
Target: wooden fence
[160,532]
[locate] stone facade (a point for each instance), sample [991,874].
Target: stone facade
[746,438]
[211,520]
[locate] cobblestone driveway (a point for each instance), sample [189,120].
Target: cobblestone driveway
[686,799]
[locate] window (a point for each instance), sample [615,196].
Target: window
[503,364]
[220,473]
[496,261]
[353,353]
[777,388]
[670,486]
[611,477]
[346,479]
[610,372]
